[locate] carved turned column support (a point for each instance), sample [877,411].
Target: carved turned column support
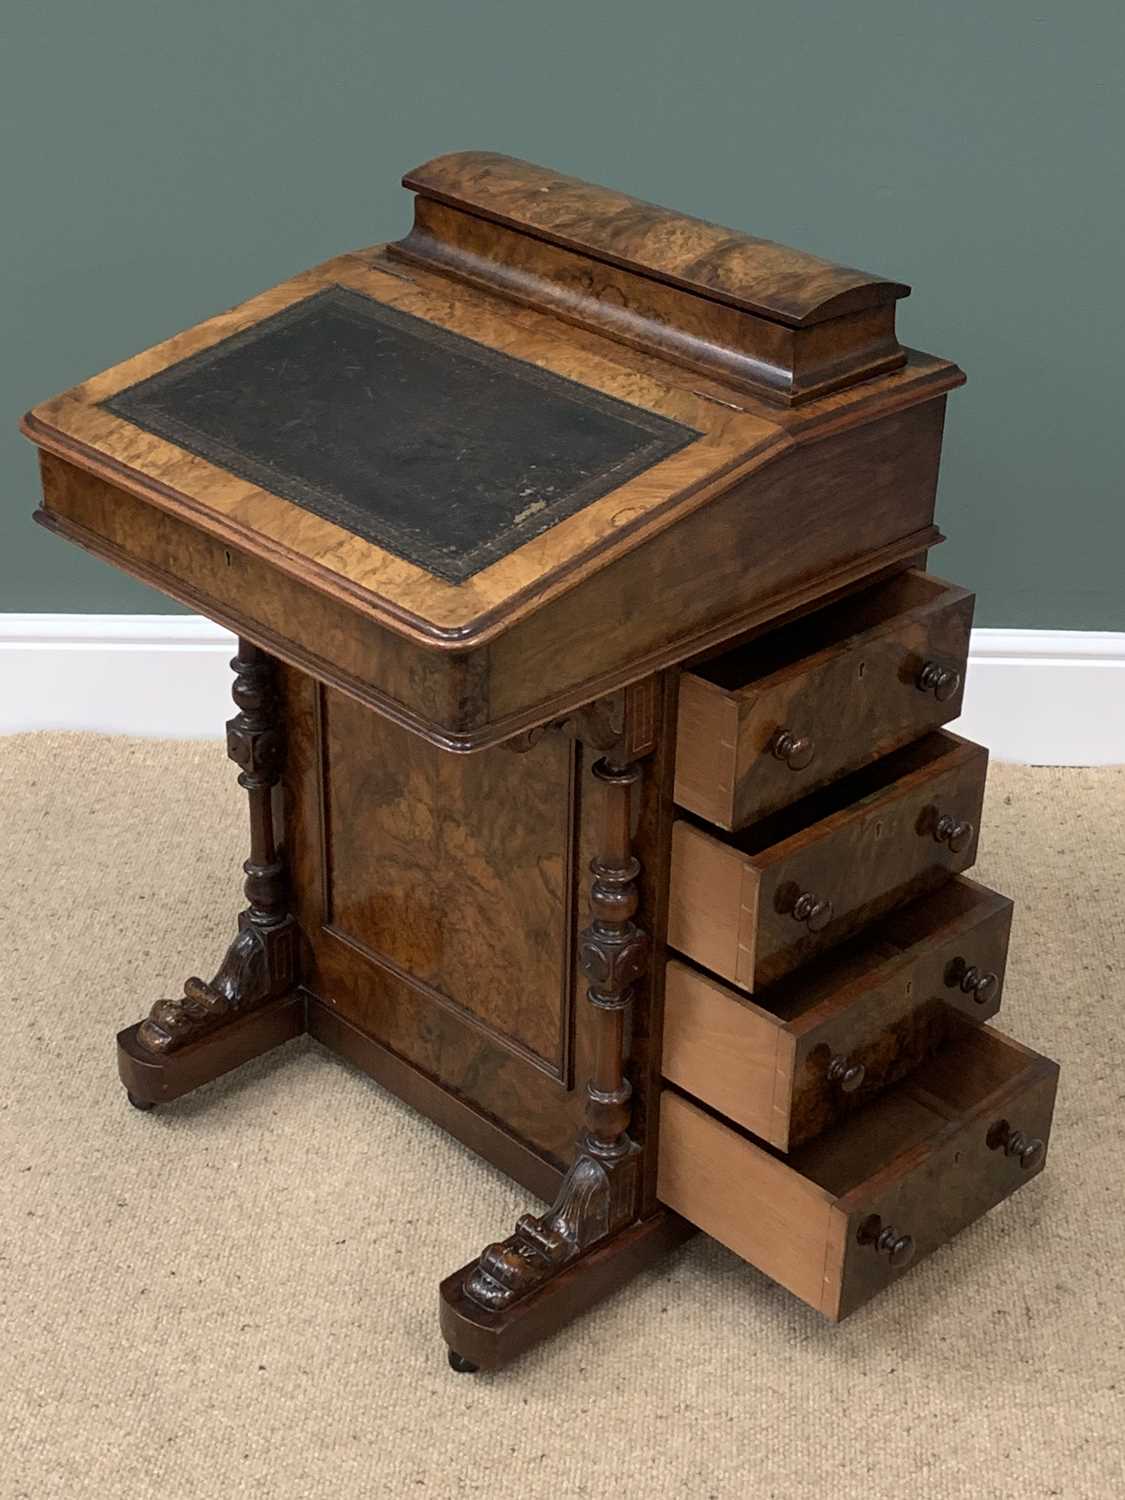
[612,954]
[598,1195]
[261,963]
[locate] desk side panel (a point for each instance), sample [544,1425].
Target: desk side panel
[440,896]
[822,508]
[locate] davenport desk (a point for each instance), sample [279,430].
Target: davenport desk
[589,686]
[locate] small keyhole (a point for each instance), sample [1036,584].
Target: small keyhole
[226,556]
[862,668]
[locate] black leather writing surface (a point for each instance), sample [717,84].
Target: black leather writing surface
[428,444]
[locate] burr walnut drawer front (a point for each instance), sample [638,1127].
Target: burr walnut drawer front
[841,1217]
[809,1050]
[789,712]
[753,906]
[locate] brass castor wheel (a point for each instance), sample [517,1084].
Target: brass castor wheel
[461,1365]
[139,1103]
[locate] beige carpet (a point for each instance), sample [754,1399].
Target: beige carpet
[236,1296]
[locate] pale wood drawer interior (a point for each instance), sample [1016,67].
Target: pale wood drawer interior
[841,1217]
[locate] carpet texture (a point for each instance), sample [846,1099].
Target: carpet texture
[236,1295]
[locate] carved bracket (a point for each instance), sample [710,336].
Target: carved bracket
[621,725]
[595,1199]
[263,962]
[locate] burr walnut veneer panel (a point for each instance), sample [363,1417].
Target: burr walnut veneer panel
[773,720]
[439,896]
[455,870]
[784,323]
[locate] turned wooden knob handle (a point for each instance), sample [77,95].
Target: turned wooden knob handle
[971,981]
[943,682]
[1029,1150]
[898,1248]
[886,1240]
[847,1074]
[796,750]
[955,832]
[813,911]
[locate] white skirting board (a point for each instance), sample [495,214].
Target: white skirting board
[1040,697]
[160,676]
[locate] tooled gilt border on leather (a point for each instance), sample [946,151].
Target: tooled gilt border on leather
[137,404]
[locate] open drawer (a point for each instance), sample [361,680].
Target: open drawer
[841,1217]
[812,1049]
[790,711]
[753,906]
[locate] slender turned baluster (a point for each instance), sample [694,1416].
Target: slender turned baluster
[261,963]
[254,743]
[612,954]
[598,1194]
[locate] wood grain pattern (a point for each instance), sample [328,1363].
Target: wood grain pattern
[408,599]
[872,494]
[758,275]
[755,355]
[818,512]
[862,846]
[455,870]
[741,435]
[297,622]
[491,1059]
[846,680]
[924,1159]
[479,1028]
[730,1053]
[957,1173]
[598,1198]
[745,1198]
[766,507]
[441,898]
[883,1002]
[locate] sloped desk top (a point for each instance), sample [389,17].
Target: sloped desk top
[437,449]
[427,479]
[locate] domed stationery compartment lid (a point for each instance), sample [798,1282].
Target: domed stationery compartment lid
[781,321]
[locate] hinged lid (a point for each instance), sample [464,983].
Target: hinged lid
[788,324]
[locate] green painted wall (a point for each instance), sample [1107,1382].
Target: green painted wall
[170,159]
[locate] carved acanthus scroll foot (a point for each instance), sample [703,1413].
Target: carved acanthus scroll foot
[598,1194]
[262,962]
[592,1201]
[259,965]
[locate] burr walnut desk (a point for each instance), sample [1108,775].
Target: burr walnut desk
[590,685]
